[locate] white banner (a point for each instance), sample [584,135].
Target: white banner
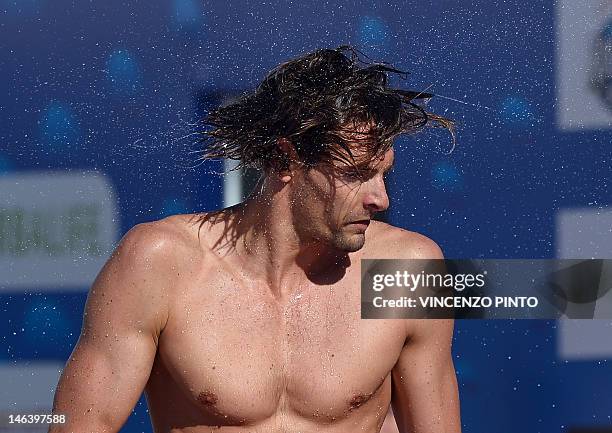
[27,388]
[584,64]
[57,229]
[584,233]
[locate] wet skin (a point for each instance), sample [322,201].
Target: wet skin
[241,358]
[258,330]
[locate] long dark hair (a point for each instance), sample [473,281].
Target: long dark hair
[314,101]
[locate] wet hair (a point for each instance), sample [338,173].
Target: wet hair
[329,104]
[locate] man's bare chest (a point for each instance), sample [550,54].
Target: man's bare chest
[238,352]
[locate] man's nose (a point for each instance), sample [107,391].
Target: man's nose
[376,198]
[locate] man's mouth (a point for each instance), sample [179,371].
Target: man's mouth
[363,223]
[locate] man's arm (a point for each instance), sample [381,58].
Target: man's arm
[425,398]
[125,312]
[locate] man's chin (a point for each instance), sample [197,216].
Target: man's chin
[350,243]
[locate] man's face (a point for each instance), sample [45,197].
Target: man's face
[335,204]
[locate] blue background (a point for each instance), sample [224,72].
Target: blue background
[115,85]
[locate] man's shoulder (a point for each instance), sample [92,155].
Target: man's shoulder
[162,240]
[164,233]
[387,241]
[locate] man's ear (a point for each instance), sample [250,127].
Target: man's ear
[291,156]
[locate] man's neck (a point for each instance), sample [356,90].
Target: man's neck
[272,249]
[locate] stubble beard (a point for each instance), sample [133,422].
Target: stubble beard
[346,242]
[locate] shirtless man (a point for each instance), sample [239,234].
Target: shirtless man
[248,319]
